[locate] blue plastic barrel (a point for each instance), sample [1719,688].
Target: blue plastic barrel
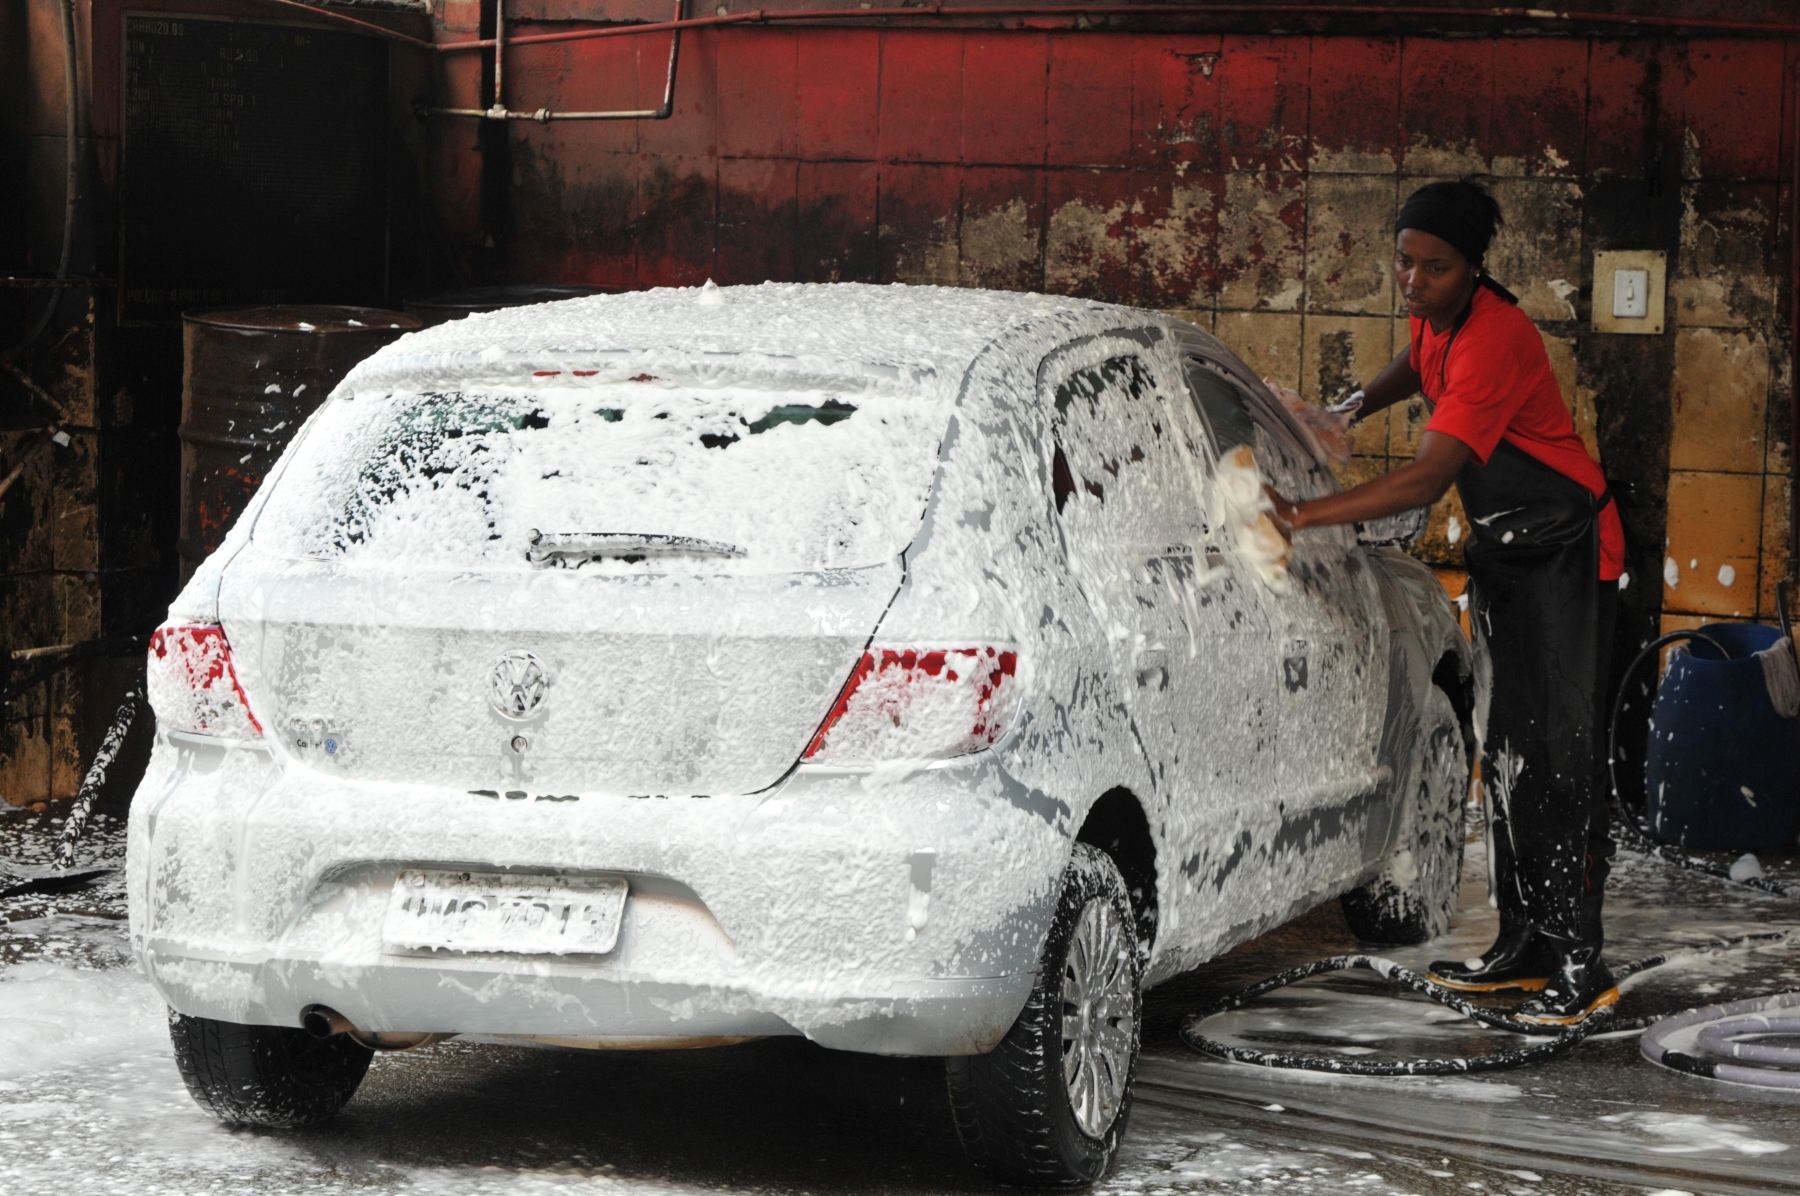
[1721,763]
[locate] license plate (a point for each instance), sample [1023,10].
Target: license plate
[492,911]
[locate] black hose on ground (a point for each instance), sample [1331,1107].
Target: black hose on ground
[1559,1041]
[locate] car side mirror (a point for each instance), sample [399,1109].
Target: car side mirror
[1400,530]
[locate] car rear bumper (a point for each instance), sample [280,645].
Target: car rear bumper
[956,1016]
[903,918]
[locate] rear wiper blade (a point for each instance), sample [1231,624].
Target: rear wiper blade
[631,546]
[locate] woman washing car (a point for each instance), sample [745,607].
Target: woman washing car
[1546,549]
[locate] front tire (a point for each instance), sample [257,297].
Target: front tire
[1048,1106]
[1414,897]
[266,1075]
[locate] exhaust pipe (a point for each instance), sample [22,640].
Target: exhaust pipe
[323,1022]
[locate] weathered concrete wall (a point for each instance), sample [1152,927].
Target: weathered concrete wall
[49,533]
[1249,182]
[87,531]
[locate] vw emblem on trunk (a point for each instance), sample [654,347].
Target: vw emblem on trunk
[519,685]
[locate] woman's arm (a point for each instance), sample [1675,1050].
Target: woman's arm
[1396,383]
[1417,484]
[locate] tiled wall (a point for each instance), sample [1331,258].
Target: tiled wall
[1728,451]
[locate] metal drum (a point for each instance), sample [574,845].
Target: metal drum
[251,376]
[454,305]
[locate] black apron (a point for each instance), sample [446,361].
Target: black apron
[1541,620]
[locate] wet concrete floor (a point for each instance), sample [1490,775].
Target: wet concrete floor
[90,1100]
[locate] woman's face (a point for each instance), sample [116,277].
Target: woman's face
[1435,278]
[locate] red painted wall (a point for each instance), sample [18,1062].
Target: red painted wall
[825,153]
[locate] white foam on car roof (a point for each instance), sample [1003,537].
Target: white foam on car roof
[807,326]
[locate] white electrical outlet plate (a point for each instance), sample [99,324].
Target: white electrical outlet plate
[1629,288]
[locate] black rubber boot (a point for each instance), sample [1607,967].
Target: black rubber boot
[1580,986]
[1519,959]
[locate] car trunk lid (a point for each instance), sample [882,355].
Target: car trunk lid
[552,684]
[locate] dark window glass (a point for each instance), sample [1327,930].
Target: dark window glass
[1224,406]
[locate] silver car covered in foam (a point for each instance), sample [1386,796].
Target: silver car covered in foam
[817,624]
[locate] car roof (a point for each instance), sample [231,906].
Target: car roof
[823,329]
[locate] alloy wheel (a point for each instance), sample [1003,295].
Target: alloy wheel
[1098,1024]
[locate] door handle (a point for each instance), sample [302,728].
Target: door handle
[1153,669]
[1293,666]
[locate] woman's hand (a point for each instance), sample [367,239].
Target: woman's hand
[1286,514]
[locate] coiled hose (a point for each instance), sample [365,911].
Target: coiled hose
[1721,1049]
[1728,1040]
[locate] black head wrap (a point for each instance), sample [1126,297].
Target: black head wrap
[1463,214]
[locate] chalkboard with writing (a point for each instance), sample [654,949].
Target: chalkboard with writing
[255,166]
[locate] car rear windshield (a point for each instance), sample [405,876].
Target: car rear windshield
[793,480]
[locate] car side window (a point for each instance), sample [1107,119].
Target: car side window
[1119,465]
[1234,417]
[1223,407]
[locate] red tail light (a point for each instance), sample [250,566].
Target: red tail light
[193,686]
[911,704]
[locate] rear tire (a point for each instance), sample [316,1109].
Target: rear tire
[1048,1106]
[1414,897]
[266,1075]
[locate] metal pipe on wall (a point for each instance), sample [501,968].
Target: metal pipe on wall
[1073,15]
[1793,569]
[500,54]
[366,26]
[498,43]
[71,182]
[1535,16]
[544,116]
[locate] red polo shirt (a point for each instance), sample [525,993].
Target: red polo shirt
[1498,385]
